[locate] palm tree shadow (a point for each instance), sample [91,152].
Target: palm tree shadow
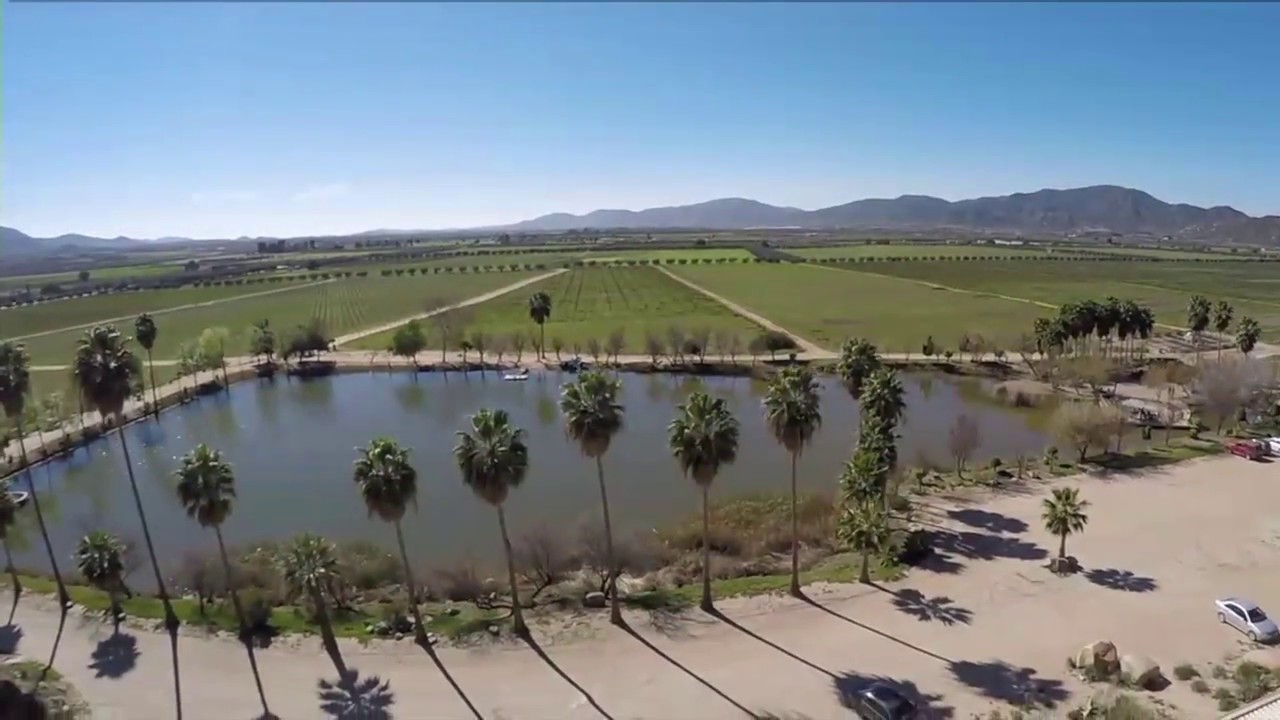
[533,645]
[351,698]
[941,608]
[705,683]
[114,656]
[431,652]
[10,636]
[17,593]
[731,623]
[868,628]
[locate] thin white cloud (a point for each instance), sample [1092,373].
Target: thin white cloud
[321,193]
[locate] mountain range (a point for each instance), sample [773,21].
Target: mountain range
[1094,209]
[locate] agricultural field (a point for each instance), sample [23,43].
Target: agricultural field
[828,305]
[592,303]
[1164,253]
[18,282]
[1252,288]
[343,306]
[666,255]
[911,250]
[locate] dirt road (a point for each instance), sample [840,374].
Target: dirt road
[984,624]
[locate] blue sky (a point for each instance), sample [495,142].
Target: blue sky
[218,120]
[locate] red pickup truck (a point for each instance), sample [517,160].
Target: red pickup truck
[1247,449]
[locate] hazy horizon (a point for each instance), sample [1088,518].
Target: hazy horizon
[229,120]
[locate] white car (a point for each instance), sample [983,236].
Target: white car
[1273,445]
[1248,618]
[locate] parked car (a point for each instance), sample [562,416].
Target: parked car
[1248,618]
[1273,444]
[879,701]
[1247,449]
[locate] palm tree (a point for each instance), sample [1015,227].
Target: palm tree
[15,384]
[494,459]
[792,410]
[864,527]
[8,518]
[106,374]
[858,359]
[703,437]
[1064,514]
[207,490]
[1223,314]
[389,485]
[882,406]
[540,312]
[592,418]
[1198,318]
[144,330]
[309,568]
[1247,335]
[100,558]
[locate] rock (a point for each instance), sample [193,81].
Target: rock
[594,600]
[1141,671]
[1098,658]
[399,636]
[432,639]
[494,630]
[1266,657]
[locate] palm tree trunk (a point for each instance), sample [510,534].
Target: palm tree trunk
[542,341]
[1062,545]
[155,397]
[706,552]
[63,597]
[226,382]
[517,615]
[244,626]
[13,571]
[864,576]
[326,630]
[420,629]
[615,611]
[795,533]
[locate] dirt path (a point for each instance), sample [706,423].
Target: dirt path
[351,337]
[188,306]
[811,349]
[983,624]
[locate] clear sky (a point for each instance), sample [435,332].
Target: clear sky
[221,120]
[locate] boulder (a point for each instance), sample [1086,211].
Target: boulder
[594,600]
[1268,657]
[1098,657]
[1141,671]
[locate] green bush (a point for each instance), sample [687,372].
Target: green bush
[1185,672]
[1200,686]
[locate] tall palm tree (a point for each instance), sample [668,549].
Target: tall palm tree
[144,329]
[1247,335]
[106,374]
[1223,314]
[592,418]
[100,559]
[494,459]
[309,567]
[540,312]
[389,485]
[883,402]
[858,359]
[15,384]
[1198,315]
[1110,315]
[792,409]
[704,437]
[1064,514]
[207,490]
[8,518]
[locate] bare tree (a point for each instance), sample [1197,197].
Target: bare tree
[701,337]
[498,346]
[480,343]
[675,343]
[616,341]
[517,343]
[963,440]
[1225,388]
[1027,351]
[653,346]
[733,346]
[1084,425]
[557,344]
[543,560]
[594,348]
[719,341]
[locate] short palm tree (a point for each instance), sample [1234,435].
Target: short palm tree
[494,459]
[703,438]
[793,411]
[858,359]
[309,567]
[540,312]
[592,418]
[144,330]
[1199,313]
[864,527]
[389,485]
[8,518]
[1247,335]
[100,559]
[207,491]
[15,385]
[1064,514]
[106,374]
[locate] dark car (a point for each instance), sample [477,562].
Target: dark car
[882,702]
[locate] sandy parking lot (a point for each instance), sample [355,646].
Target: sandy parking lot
[985,624]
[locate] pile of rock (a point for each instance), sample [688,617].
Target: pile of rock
[1099,661]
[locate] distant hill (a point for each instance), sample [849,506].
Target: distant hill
[15,242]
[1099,208]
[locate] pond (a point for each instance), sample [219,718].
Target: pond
[292,445]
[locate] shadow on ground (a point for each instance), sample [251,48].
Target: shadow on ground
[537,649]
[983,546]
[353,698]
[676,664]
[941,608]
[1123,580]
[114,656]
[989,521]
[10,636]
[998,680]
[929,706]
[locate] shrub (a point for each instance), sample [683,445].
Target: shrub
[1253,681]
[460,583]
[1185,672]
[1200,686]
[257,605]
[366,566]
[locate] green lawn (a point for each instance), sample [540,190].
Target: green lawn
[343,305]
[591,303]
[910,250]
[1252,288]
[829,305]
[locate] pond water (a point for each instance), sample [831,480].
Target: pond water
[292,445]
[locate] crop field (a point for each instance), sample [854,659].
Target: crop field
[17,282]
[911,250]
[667,255]
[591,303]
[1252,288]
[1165,253]
[343,306]
[828,305]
